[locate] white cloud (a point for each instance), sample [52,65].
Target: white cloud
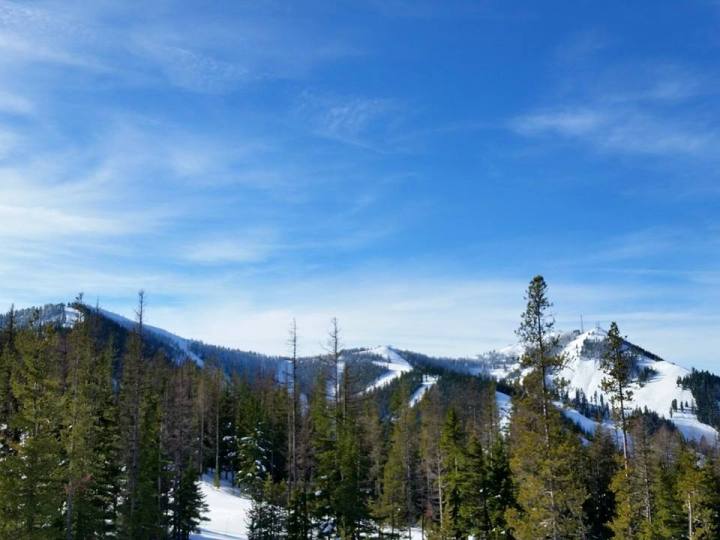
[252,247]
[576,122]
[621,130]
[15,104]
[365,122]
[438,316]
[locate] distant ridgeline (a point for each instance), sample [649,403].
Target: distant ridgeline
[364,443]
[235,362]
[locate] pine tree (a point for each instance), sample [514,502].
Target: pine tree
[8,361]
[634,499]
[254,461]
[131,398]
[617,364]
[373,445]
[535,333]
[177,451]
[299,525]
[350,493]
[31,474]
[600,468]
[267,518]
[452,451]
[90,438]
[500,492]
[474,509]
[546,458]
[431,460]
[154,475]
[188,505]
[539,471]
[698,491]
[397,504]
[323,449]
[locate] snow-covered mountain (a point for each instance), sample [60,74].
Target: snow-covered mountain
[58,314]
[655,380]
[391,360]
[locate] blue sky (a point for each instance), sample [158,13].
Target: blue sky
[404,165]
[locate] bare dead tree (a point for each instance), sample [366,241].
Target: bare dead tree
[334,348]
[291,382]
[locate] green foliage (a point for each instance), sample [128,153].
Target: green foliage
[452,441]
[705,388]
[474,490]
[33,470]
[550,489]
[188,505]
[601,465]
[267,519]
[397,505]
[106,438]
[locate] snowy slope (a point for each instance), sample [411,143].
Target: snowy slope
[227,515]
[427,383]
[55,314]
[504,408]
[392,361]
[582,352]
[182,345]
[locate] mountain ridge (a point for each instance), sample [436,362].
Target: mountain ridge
[655,380]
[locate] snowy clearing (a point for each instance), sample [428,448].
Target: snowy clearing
[395,363]
[427,384]
[227,512]
[582,372]
[504,407]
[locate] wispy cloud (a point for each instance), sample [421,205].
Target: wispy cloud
[171,46]
[629,131]
[640,107]
[358,121]
[15,104]
[439,315]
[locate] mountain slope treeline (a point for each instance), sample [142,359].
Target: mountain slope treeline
[103,434]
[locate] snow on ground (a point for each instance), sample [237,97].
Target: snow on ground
[587,425]
[415,533]
[656,394]
[582,372]
[392,361]
[227,512]
[427,384]
[504,407]
[71,316]
[694,429]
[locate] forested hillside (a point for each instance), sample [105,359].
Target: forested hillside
[105,433]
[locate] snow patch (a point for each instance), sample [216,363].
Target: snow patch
[392,361]
[228,511]
[427,383]
[504,407]
[582,351]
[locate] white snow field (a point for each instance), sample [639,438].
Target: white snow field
[227,512]
[392,361]
[582,372]
[504,408]
[427,383]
